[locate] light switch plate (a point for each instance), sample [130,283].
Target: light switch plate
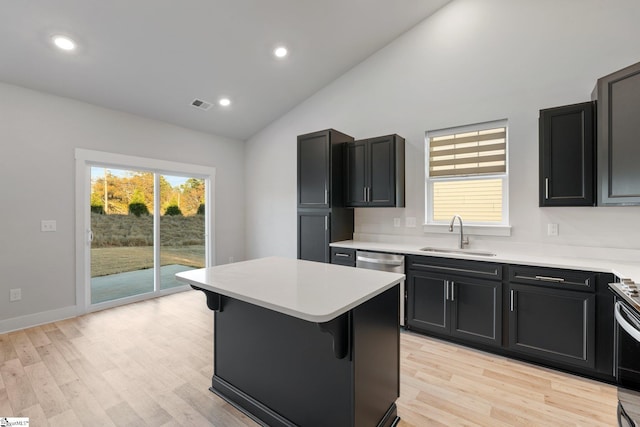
[48,225]
[410,222]
[552,230]
[396,222]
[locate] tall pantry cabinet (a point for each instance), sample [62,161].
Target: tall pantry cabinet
[322,215]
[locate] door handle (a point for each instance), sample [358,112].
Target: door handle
[628,327]
[90,235]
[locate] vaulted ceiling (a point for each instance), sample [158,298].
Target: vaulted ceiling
[154,57]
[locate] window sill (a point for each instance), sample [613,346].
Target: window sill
[472,230]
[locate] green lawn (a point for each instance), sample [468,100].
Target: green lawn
[105,261]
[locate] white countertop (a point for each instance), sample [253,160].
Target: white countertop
[312,291]
[622,269]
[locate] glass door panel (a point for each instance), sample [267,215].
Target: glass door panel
[182,227]
[122,233]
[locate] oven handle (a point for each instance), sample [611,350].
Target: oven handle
[628,327]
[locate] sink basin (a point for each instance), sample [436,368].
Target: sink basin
[457,251]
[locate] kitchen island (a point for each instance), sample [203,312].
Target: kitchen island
[300,343]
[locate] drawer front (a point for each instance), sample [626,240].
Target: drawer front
[343,256]
[553,277]
[478,269]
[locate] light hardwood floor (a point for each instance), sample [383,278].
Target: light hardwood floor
[150,363]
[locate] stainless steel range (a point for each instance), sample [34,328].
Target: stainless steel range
[627,315]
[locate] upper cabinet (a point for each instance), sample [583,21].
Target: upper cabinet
[618,121]
[320,163]
[567,150]
[375,172]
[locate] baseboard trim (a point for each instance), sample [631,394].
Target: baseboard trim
[36,319]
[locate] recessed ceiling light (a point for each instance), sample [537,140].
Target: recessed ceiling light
[225,102]
[64,43]
[280,52]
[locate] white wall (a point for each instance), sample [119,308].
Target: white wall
[38,135]
[473,61]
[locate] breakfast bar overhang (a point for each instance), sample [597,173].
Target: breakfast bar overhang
[300,343]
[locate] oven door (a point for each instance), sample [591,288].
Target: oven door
[628,364]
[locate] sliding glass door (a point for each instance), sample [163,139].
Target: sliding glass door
[122,244]
[182,227]
[144,226]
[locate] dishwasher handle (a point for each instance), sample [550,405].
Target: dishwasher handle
[379,261]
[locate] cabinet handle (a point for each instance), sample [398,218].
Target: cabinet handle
[368,194]
[364,193]
[546,188]
[326,223]
[511,300]
[446,290]
[453,291]
[342,255]
[550,279]
[326,196]
[458,270]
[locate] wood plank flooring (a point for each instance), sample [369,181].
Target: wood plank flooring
[150,364]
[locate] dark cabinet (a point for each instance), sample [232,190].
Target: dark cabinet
[567,151]
[375,172]
[554,325]
[322,216]
[552,315]
[313,236]
[618,95]
[343,256]
[468,308]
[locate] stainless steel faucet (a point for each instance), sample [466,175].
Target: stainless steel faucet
[463,241]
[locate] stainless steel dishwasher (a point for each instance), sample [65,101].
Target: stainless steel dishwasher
[384,262]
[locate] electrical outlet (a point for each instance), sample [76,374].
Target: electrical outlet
[552,230]
[396,222]
[48,225]
[410,222]
[231,259]
[15,294]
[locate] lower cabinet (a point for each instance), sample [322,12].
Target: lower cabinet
[555,317]
[553,324]
[466,308]
[314,236]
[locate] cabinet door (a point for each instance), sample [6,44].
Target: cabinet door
[427,308]
[382,172]
[476,310]
[313,170]
[618,130]
[553,324]
[356,181]
[567,155]
[313,236]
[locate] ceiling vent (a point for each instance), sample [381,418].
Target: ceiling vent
[202,105]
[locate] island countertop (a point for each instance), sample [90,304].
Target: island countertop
[311,291]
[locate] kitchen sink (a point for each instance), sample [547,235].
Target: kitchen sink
[457,251]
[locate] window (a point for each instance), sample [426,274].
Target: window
[466,174]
